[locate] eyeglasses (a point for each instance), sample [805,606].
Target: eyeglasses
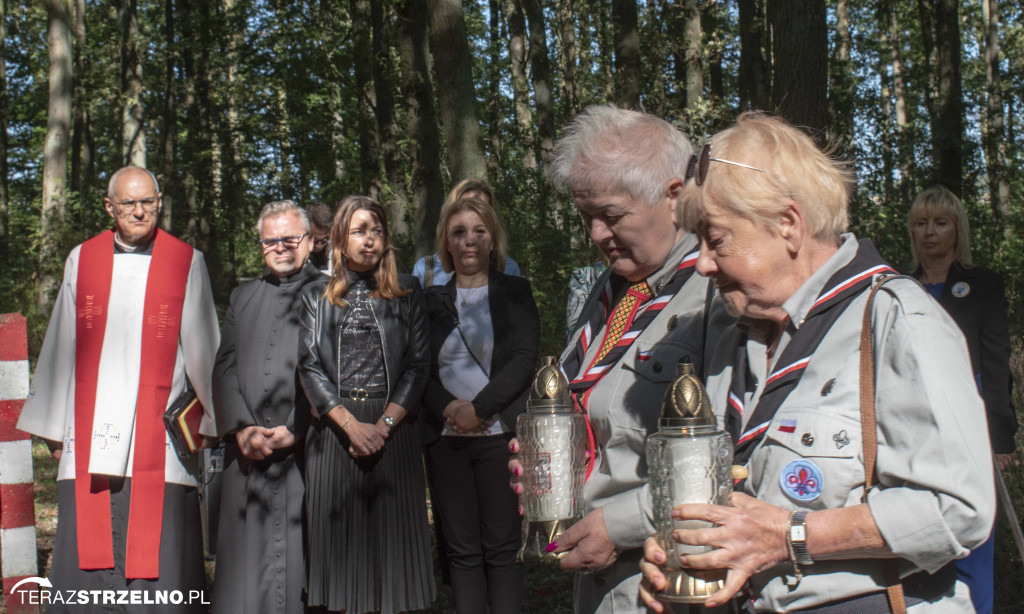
[289,242]
[697,167]
[320,242]
[127,206]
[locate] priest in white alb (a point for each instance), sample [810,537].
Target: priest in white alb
[134,320]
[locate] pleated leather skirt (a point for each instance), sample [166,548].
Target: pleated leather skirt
[368,537]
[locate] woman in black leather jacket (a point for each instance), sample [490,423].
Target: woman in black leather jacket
[363,362]
[484,333]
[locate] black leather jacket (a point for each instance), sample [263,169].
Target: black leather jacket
[403,328]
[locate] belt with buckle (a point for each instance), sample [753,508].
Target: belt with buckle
[362,394]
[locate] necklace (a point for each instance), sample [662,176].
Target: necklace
[462,297]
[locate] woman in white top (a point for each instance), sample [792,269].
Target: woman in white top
[484,333]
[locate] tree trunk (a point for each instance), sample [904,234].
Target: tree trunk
[540,67]
[338,138]
[948,122]
[169,134]
[800,75]
[588,34]
[567,55]
[627,54]
[456,95]
[926,12]
[693,54]
[520,85]
[494,111]
[421,118]
[887,137]
[81,152]
[904,149]
[753,81]
[653,47]
[366,101]
[55,149]
[199,159]
[712,25]
[234,214]
[995,142]
[606,47]
[396,200]
[133,130]
[3,121]
[841,88]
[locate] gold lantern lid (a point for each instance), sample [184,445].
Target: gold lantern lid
[550,389]
[686,401]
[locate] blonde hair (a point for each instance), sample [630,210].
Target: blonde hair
[386,274]
[490,219]
[794,169]
[938,200]
[470,184]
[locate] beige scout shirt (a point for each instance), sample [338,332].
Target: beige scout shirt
[624,408]
[936,498]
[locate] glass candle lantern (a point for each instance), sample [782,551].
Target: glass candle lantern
[690,461]
[552,449]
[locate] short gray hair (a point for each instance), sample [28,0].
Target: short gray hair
[619,149]
[117,175]
[277,208]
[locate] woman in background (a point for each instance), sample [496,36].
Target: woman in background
[363,365]
[975,298]
[484,334]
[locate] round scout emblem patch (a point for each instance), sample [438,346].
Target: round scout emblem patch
[801,480]
[961,289]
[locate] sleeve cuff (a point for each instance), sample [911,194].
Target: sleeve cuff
[628,518]
[913,528]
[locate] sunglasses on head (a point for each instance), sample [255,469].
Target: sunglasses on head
[697,167]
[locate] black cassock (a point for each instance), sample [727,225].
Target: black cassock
[260,565]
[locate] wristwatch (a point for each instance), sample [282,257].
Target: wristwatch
[797,537]
[388,420]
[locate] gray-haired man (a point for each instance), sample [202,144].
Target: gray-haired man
[262,415]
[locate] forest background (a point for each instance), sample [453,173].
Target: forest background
[234,103]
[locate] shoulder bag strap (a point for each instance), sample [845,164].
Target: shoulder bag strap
[869,434]
[458,327]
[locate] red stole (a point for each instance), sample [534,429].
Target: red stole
[169,268]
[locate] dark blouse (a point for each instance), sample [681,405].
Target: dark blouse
[361,357]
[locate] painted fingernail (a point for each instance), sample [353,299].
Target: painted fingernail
[551,547]
[516,471]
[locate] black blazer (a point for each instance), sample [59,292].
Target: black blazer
[516,325]
[403,331]
[981,315]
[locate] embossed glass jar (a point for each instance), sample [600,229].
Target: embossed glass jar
[690,461]
[552,449]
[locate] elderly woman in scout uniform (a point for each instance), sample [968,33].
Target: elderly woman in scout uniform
[805,530]
[648,311]
[976,300]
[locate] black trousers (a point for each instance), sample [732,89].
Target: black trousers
[181,553]
[480,521]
